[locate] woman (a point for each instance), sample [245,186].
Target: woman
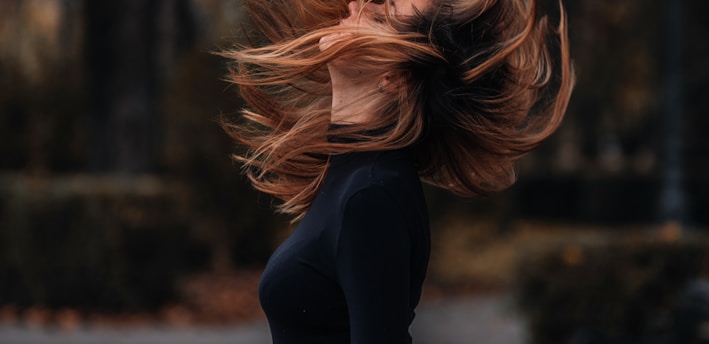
[351,105]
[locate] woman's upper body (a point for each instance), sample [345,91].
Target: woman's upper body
[450,92]
[352,270]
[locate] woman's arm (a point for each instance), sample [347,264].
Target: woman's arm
[373,266]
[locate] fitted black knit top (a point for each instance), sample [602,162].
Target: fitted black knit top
[352,270]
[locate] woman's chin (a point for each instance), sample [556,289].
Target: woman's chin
[326,42]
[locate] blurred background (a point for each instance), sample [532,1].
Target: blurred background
[119,203]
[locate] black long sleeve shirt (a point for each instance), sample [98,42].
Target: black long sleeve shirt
[352,270]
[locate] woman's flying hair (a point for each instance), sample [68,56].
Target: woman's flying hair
[479,83]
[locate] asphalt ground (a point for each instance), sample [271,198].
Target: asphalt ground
[473,320]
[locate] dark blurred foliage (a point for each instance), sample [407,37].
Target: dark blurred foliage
[116,182]
[95,244]
[606,164]
[116,177]
[621,291]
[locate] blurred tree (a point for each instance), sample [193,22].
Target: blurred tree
[672,198]
[129,46]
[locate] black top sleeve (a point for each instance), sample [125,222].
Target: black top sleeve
[373,267]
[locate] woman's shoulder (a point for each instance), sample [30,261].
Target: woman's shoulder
[387,168]
[392,172]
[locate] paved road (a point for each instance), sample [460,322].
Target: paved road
[461,321]
[468,321]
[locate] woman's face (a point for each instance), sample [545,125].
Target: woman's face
[373,14]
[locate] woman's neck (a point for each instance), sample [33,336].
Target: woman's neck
[352,97]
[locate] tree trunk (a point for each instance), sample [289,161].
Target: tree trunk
[121,57]
[672,196]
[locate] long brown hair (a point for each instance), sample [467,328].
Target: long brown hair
[478,87]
